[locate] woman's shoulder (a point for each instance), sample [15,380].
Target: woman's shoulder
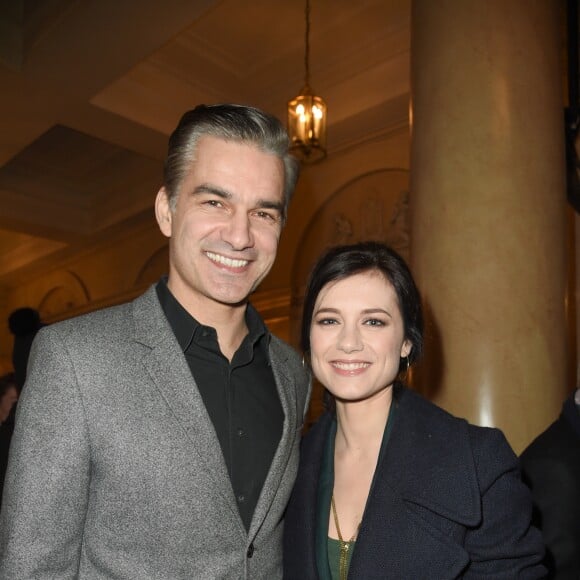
[488,446]
[430,415]
[459,460]
[411,399]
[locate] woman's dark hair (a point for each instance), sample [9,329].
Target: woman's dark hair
[341,262]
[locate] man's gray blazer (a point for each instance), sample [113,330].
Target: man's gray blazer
[115,469]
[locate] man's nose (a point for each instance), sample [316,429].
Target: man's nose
[238,232]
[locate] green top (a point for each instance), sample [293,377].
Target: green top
[334,557]
[327,549]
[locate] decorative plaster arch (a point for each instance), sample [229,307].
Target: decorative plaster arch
[154,267]
[373,206]
[67,293]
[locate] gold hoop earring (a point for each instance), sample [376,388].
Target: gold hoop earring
[403,374]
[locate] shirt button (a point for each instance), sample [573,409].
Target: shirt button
[241,432]
[250,551]
[241,498]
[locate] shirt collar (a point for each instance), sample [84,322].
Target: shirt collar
[184,325]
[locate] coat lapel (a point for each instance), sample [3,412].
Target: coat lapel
[427,466]
[170,373]
[392,531]
[428,454]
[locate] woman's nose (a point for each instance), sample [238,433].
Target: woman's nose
[350,339]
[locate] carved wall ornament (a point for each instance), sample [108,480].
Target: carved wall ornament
[373,206]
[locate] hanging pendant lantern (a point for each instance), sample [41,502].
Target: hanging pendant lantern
[307,114]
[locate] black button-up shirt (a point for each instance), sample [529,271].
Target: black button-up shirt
[241,397]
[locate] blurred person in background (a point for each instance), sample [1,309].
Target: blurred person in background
[551,467]
[8,397]
[23,323]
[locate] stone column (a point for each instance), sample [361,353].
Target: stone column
[488,209]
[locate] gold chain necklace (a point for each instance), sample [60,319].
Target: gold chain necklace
[344,547]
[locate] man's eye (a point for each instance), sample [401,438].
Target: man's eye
[213,202]
[266,216]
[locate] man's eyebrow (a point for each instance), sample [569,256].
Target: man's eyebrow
[267,204]
[224,194]
[213,189]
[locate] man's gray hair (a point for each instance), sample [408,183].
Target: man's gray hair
[230,122]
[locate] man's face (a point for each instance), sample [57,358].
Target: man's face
[225,227]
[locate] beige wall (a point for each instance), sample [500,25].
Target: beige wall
[109,273]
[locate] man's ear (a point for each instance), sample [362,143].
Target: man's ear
[163,212]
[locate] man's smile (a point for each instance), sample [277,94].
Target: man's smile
[225,261]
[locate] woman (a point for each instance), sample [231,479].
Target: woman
[389,485]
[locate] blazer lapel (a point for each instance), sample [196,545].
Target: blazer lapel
[287,393]
[169,371]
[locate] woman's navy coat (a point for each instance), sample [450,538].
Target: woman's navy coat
[447,502]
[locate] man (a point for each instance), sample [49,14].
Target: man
[159,439]
[551,467]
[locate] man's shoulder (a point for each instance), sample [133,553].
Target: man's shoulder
[104,318]
[110,320]
[287,356]
[282,347]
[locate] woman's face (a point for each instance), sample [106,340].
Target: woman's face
[357,337]
[7,402]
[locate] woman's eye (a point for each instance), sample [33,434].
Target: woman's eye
[374,322]
[326,321]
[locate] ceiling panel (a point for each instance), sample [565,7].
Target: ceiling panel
[86,114]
